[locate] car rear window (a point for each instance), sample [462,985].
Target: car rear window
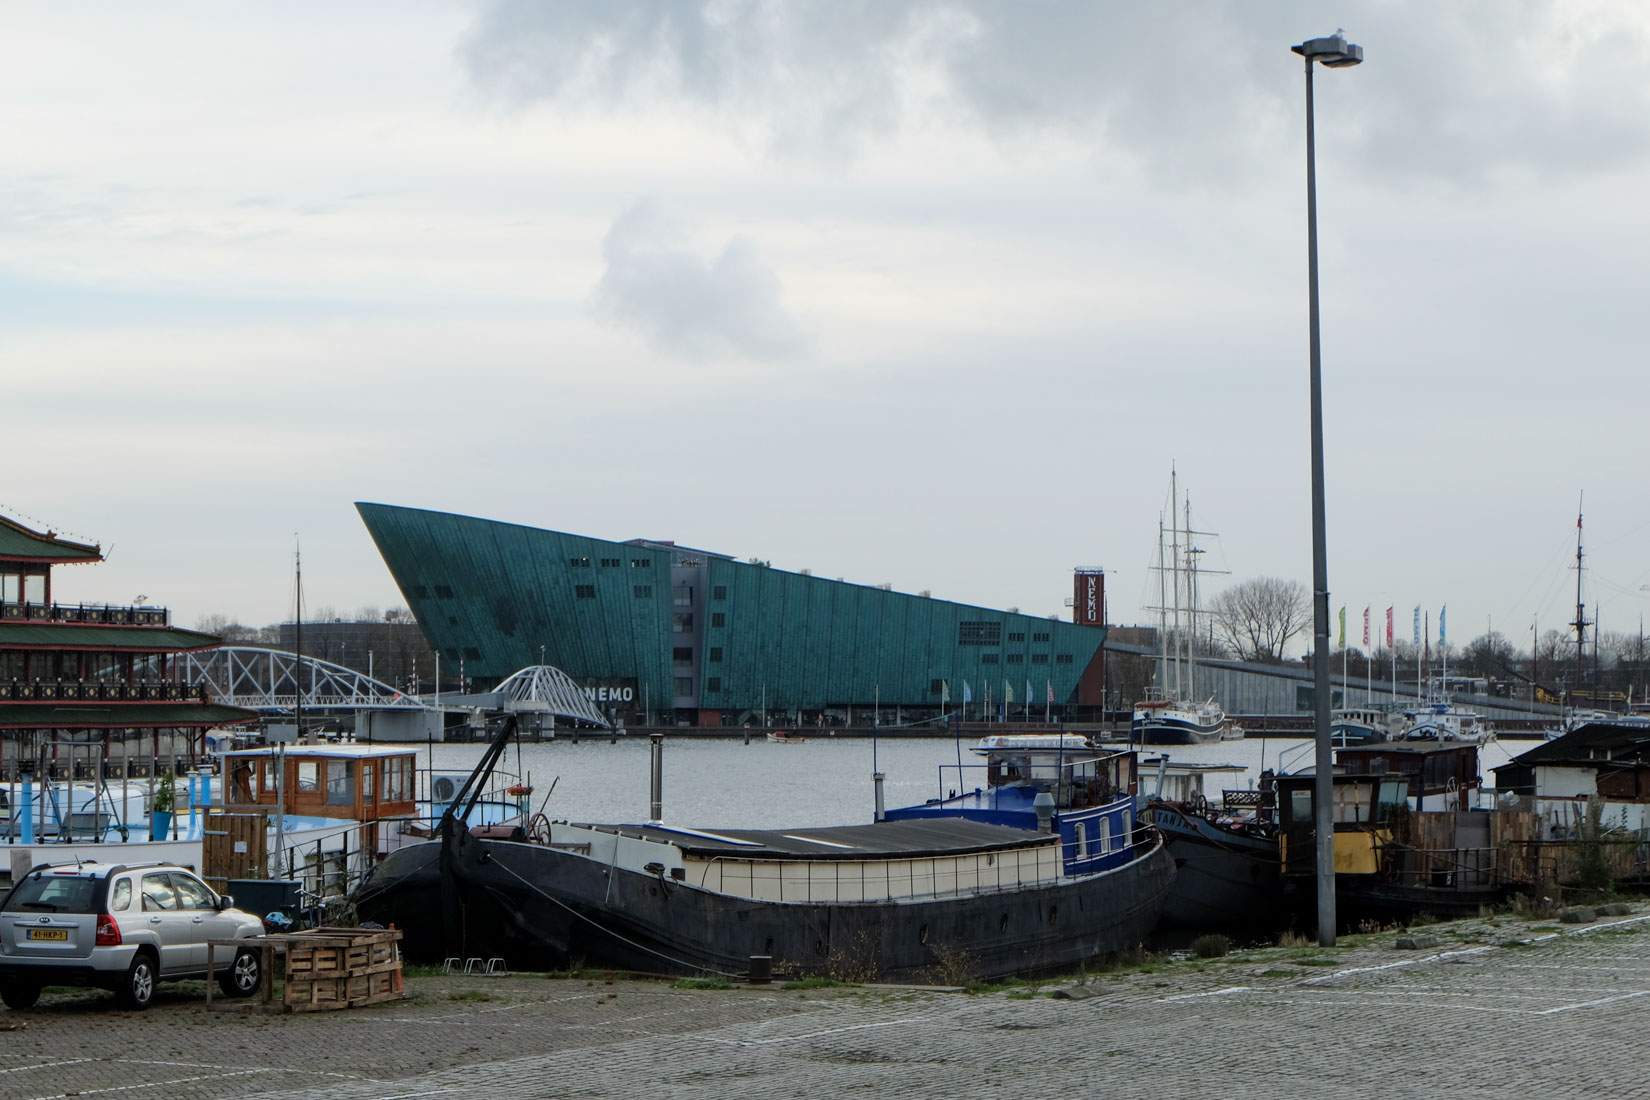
[54,894]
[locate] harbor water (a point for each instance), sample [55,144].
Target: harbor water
[725,783]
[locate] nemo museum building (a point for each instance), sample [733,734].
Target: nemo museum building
[666,634]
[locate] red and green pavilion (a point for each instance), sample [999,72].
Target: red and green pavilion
[85,681]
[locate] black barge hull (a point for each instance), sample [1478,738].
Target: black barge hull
[544,908]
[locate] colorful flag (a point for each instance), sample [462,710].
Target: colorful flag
[1028,692]
[988,694]
[945,691]
[1389,627]
[1342,642]
[1417,627]
[968,696]
[1050,690]
[1366,626]
[1441,612]
[1008,692]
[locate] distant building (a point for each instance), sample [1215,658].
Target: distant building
[81,682]
[392,650]
[703,638]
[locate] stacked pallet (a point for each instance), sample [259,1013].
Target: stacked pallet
[330,968]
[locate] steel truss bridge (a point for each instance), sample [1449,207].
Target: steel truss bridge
[272,680]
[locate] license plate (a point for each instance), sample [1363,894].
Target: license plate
[48,934]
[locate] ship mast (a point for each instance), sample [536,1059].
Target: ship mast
[1580,623]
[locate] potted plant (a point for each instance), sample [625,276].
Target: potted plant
[161,807]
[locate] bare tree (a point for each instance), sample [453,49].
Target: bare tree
[1488,655]
[1258,617]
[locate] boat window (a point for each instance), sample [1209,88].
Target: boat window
[340,783]
[1082,840]
[266,769]
[1105,835]
[1394,793]
[309,776]
[1300,806]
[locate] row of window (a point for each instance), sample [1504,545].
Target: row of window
[1020,658]
[610,563]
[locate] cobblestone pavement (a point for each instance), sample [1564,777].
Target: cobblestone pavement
[1504,1007]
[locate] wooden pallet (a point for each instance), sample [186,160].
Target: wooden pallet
[326,968]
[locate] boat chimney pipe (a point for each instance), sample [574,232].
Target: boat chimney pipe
[876,782]
[656,788]
[1043,804]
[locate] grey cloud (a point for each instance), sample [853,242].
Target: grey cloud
[688,306]
[1190,88]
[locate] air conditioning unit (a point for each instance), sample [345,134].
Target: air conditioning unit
[445,788]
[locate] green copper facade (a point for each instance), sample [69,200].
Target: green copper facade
[701,632]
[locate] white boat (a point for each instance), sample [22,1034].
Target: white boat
[1364,725]
[1170,714]
[1441,720]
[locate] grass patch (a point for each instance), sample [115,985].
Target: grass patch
[470,995]
[706,982]
[1212,946]
[1274,972]
[815,982]
[410,971]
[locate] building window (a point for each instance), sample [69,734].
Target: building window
[718,619]
[1039,658]
[420,592]
[610,563]
[471,653]
[720,592]
[1062,658]
[681,655]
[584,591]
[1040,637]
[1016,658]
[684,621]
[578,563]
[1017,636]
[713,684]
[684,685]
[643,591]
[681,596]
[936,687]
[979,633]
[716,653]
[442,592]
[641,563]
[988,658]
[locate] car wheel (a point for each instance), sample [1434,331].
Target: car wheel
[244,975]
[19,994]
[139,987]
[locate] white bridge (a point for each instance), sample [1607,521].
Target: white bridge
[273,680]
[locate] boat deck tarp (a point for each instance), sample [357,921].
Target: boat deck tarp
[923,837]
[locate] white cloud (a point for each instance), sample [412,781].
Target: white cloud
[688,306]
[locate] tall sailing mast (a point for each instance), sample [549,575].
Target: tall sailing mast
[1580,623]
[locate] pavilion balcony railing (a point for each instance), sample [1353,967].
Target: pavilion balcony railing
[84,613]
[98,691]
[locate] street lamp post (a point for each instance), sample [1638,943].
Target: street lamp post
[1335,52]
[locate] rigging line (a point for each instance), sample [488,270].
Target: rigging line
[602,927]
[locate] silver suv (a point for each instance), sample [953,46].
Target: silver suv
[122,928]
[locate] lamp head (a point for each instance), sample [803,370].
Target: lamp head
[1335,52]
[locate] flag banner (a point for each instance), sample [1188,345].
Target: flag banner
[1008,692]
[1441,613]
[1417,626]
[968,696]
[1366,626]
[1028,692]
[1050,690]
[1389,627]
[945,691]
[988,695]
[1342,642]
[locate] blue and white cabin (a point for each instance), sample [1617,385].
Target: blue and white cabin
[1060,783]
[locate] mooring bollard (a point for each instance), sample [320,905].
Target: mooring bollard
[761,970]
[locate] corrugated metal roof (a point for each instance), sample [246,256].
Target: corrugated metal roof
[40,635]
[119,715]
[18,542]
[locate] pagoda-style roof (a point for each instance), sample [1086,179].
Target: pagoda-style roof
[63,715]
[144,639]
[18,543]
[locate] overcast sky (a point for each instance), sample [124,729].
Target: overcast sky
[931,294]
